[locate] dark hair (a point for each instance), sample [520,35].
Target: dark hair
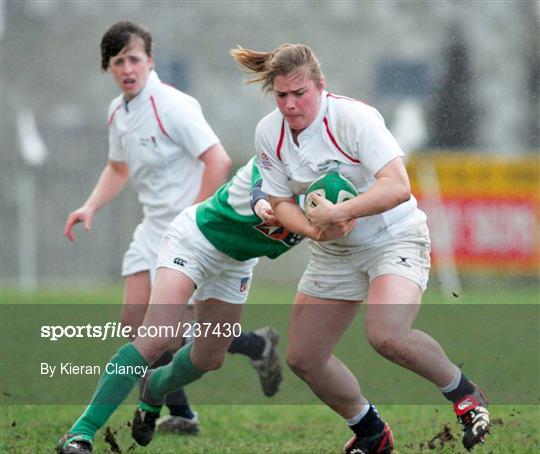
[118,36]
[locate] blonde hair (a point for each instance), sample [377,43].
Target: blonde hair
[266,66]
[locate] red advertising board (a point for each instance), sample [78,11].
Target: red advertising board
[483,211]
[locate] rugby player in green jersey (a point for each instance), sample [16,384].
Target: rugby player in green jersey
[209,252]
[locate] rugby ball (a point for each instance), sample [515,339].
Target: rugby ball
[333,187]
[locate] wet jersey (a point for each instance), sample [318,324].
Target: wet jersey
[347,136]
[160,134]
[227,221]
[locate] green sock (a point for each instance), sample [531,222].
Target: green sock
[111,390]
[177,374]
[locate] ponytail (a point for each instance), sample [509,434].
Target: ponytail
[255,63]
[266,66]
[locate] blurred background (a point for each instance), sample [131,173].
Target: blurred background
[457,82]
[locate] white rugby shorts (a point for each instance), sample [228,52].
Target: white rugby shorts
[402,250]
[142,253]
[184,248]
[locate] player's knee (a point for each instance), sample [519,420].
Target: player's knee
[384,344]
[133,326]
[133,320]
[153,348]
[209,362]
[388,343]
[298,364]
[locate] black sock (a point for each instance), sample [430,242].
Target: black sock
[464,388]
[371,424]
[178,404]
[163,360]
[181,410]
[248,344]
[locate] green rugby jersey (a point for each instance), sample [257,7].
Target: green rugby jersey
[227,221]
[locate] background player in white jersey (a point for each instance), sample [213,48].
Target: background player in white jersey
[211,247]
[159,138]
[373,248]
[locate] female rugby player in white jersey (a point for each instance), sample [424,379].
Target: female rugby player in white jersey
[160,140]
[373,248]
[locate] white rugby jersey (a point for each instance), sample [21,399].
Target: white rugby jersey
[160,134]
[347,136]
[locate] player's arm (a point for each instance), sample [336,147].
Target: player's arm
[284,206]
[217,165]
[391,188]
[292,217]
[261,206]
[114,177]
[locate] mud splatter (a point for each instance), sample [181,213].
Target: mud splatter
[439,440]
[111,440]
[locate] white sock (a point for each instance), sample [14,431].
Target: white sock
[455,381]
[356,418]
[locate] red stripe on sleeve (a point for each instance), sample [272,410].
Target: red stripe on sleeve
[111,118]
[157,117]
[350,158]
[281,137]
[332,95]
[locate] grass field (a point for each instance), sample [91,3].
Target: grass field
[282,428]
[276,429]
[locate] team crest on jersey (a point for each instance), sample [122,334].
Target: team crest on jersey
[326,166]
[148,142]
[279,234]
[244,284]
[264,161]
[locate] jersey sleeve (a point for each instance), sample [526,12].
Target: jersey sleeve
[275,182]
[116,151]
[371,141]
[256,192]
[187,127]
[256,179]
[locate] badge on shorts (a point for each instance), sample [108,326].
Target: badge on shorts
[403,262]
[244,284]
[179,261]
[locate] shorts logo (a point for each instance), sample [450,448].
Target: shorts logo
[403,261]
[244,284]
[179,261]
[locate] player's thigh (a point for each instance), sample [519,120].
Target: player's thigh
[398,269]
[164,320]
[317,325]
[137,289]
[392,305]
[402,253]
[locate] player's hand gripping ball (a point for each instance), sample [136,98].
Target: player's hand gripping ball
[333,187]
